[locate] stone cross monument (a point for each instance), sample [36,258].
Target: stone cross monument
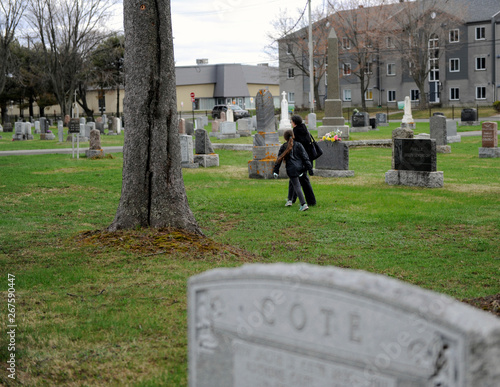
[285,120]
[333,119]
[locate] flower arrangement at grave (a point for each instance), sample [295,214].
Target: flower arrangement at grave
[332,136]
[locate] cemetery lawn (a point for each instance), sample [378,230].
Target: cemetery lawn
[101,309]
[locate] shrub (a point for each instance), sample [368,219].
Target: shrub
[496,105]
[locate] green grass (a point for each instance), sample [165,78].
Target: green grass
[91,313]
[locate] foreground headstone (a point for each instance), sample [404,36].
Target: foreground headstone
[244,127]
[415,164]
[187,157]
[334,162]
[489,141]
[438,132]
[304,325]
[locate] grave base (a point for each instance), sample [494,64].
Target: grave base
[207,161]
[415,178]
[189,165]
[382,124]
[469,123]
[333,173]
[47,136]
[358,129]
[261,169]
[452,139]
[224,136]
[94,153]
[22,137]
[244,133]
[489,153]
[443,149]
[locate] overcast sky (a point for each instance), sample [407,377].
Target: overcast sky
[223,31]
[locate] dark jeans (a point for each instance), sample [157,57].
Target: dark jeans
[295,184]
[306,187]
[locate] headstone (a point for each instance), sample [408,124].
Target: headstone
[437,125]
[230,115]
[73,129]
[414,163]
[451,132]
[60,130]
[100,127]
[95,151]
[381,119]
[204,152]
[311,121]
[37,127]
[227,129]
[27,131]
[223,116]
[468,117]
[187,157]
[118,126]
[1,128]
[244,127]
[113,128]
[44,125]
[265,111]
[334,162]
[199,123]
[407,121]
[7,127]
[215,128]
[204,121]
[298,325]
[83,121]
[489,141]
[285,118]
[360,122]
[182,126]
[373,123]
[18,131]
[189,128]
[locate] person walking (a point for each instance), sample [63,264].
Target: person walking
[297,164]
[302,135]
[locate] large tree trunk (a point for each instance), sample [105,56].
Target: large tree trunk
[153,192]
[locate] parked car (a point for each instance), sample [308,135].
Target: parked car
[238,112]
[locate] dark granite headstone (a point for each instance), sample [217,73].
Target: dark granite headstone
[335,155]
[469,115]
[189,128]
[360,119]
[44,125]
[202,144]
[373,123]
[7,127]
[74,125]
[415,155]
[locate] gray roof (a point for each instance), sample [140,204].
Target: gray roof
[475,10]
[231,80]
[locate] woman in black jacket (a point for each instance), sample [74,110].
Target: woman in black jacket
[297,163]
[302,135]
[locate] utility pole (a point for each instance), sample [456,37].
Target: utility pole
[311,63]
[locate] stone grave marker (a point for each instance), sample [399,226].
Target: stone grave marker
[95,151]
[227,129]
[438,132]
[468,117]
[244,127]
[230,115]
[489,147]
[360,122]
[204,151]
[60,130]
[187,157]
[37,127]
[189,128]
[311,121]
[285,116]
[334,162]
[451,132]
[381,119]
[264,104]
[301,325]
[182,126]
[414,163]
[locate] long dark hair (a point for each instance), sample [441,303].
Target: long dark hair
[288,135]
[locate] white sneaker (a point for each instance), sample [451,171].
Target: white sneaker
[288,203]
[305,207]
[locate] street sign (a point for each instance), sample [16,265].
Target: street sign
[192,97]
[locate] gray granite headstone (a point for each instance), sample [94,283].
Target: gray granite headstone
[381,119]
[264,104]
[335,155]
[298,325]
[189,128]
[311,121]
[203,146]
[227,127]
[60,130]
[415,155]
[187,157]
[44,125]
[438,129]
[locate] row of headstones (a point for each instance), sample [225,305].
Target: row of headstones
[204,155]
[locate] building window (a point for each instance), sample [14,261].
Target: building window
[391,68]
[454,36]
[390,42]
[480,33]
[347,95]
[454,93]
[369,94]
[291,97]
[481,63]
[369,68]
[290,74]
[454,65]
[415,95]
[480,92]
[347,68]
[391,96]
[346,44]
[289,49]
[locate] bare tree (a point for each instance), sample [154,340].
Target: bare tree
[292,35]
[68,31]
[11,12]
[153,192]
[418,32]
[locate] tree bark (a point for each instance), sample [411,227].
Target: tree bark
[153,192]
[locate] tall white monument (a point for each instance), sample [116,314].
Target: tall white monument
[285,120]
